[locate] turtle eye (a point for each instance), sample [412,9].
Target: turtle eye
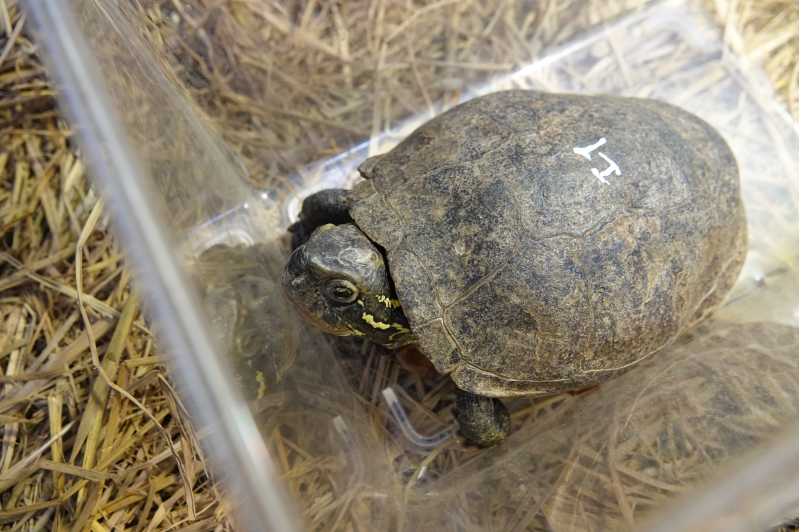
[341,291]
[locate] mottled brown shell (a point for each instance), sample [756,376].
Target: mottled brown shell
[526,267]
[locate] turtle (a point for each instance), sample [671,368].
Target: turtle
[527,243]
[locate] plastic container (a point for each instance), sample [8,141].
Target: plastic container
[669,435]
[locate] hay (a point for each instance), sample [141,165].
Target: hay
[285,85]
[79,452]
[288,85]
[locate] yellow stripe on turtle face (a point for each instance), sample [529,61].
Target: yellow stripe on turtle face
[259,376]
[388,302]
[355,331]
[400,330]
[368,318]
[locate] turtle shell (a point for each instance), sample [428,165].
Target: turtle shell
[542,242]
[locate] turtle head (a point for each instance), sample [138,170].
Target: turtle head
[339,282]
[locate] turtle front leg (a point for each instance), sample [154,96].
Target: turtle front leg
[330,206]
[484,421]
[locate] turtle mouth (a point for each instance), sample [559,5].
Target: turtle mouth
[319,322]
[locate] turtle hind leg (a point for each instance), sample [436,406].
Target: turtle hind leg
[484,421]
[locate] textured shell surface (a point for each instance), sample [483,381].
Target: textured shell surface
[547,242]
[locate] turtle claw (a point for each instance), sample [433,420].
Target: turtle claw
[484,421]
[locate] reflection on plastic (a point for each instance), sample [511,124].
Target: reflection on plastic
[605,460]
[410,432]
[138,178]
[352,450]
[248,312]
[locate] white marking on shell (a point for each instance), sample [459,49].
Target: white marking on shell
[612,168]
[586,152]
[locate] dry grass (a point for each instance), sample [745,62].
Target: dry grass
[74,453]
[285,84]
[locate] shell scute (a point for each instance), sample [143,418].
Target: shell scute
[459,136]
[532,318]
[460,225]
[631,291]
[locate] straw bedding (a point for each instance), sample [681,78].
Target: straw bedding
[94,436]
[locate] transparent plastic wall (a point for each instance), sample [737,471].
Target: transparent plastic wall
[693,438]
[164,173]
